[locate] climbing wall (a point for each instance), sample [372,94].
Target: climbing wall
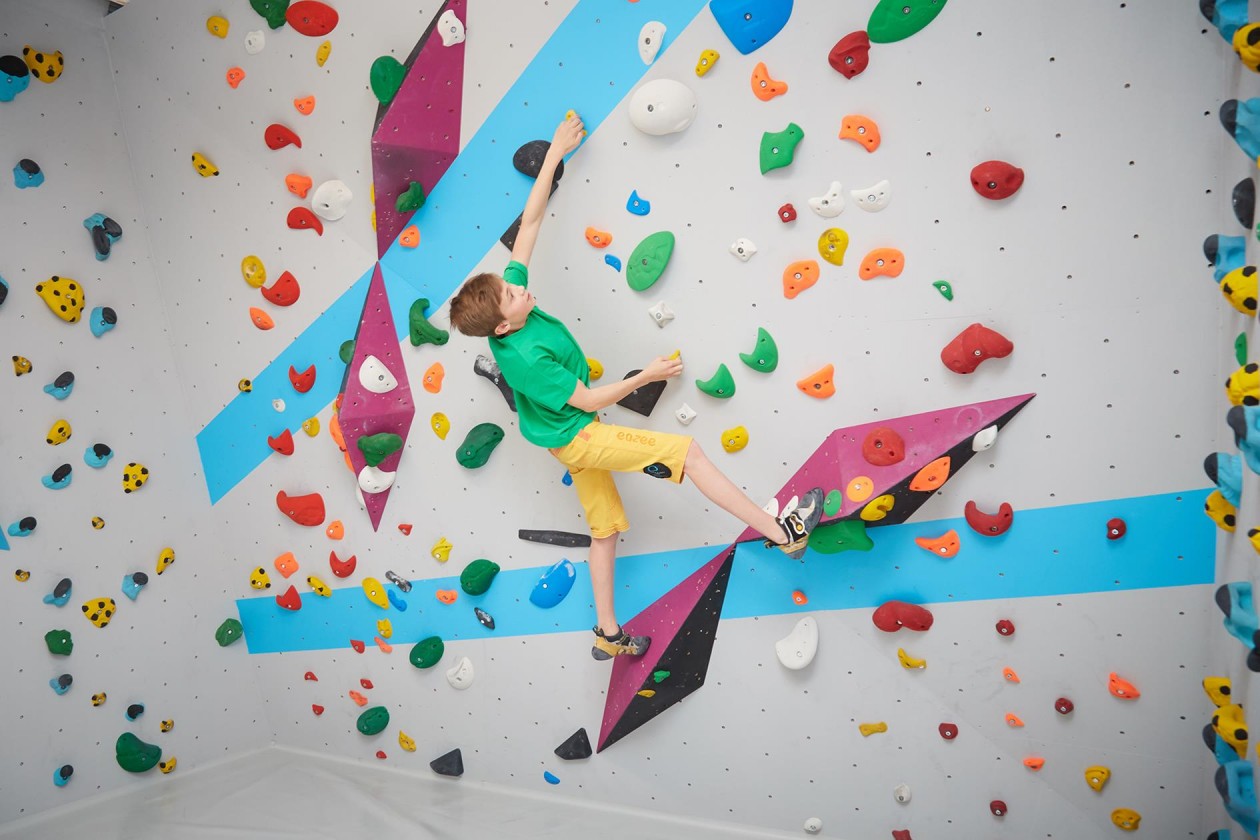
[1093,269]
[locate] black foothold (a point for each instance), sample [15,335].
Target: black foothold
[62,472]
[642,400]
[565,539]
[451,764]
[578,745]
[487,367]
[1244,200]
[65,380]
[62,588]
[140,578]
[135,710]
[1229,115]
[484,617]
[64,681]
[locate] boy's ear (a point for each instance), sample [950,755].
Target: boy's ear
[502,328]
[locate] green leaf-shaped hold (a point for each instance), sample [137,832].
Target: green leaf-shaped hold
[229,631]
[845,535]
[59,642]
[386,78]
[765,356]
[648,260]
[944,287]
[833,503]
[346,351]
[478,444]
[778,148]
[373,721]
[378,447]
[271,11]
[720,385]
[134,755]
[478,575]
[894,20]
[427,652]
[422,332]
[411,199]
[1240,348]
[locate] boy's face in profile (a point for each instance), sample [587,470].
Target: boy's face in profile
[516,303]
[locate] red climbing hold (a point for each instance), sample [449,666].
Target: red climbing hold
[787,213]
[304,381]
[358,646]
[974,345]
[380,754]
[996,179]
[282,443]
[290,599]
[342,568]
[301,218]
[317,709]
[851,54]
[1116,528]
[309,676]
[278,136]
[883,447]
[405,527]
[949,731]
[1064,706]
[304,510]
[998,808]
[902,834]
[989,524]
[284,292]
[366,683]
[891,616]
[1006,627]
[311,18]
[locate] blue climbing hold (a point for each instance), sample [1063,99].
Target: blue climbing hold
[750,24]
[551,778]
[1225,253]
[97,455]
[15,76]
[553,585]
[62,775]
[24,527]
[1245,421]
[396,600]
[1227,16]
[60,594]
[1236,784]
[59,479]
[4,544]
[1225,471]
[1241,119]
[61,387]
[26,173]
[4,290]
[567,480]
[102,321]
[61,684]
[638,206]
[104,231]
[615,262]
[133,583]
[1235,600]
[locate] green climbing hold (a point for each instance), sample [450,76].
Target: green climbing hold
[765,355]
[478,575]
[422,332]
[346,352]
[386,77]
[946,290]
[895,20]
[660,676]
[1240,348]
[720,385]
[378,447]
[845,535]
[134,755]
[779,147]
[59,642]
[229,631]
[833,503]
[271,11]
[410,200]
[427,652]
[373,721]
[648,260]
[478,444]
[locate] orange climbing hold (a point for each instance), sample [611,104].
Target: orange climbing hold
[1034,762]
[447,596]
[304,105]
[798,598]
[286,564]
[297,184]
[358,698]
[335,530]
[946,545]
[1013,720]
[820,384]
[598,238]
[385,646]
[861,130]
[261,319]
[1123,689]
[433,378]
[1009,675]
[764,87]
[410,237]
[798,277]
[334,429]
[932,477]
[235,76]
[882,262]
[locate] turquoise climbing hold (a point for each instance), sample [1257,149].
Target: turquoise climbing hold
[1242,120]
[778,148]
[615,262]
[896,20]
[566,479]
[554,584]
[751,24]
[648,260]
[764,357]
[102,321]
[1228,16]
[638,206]
[1225,253]
[59,478]
[720,385]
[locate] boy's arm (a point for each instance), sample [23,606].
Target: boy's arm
[568,136]
[597,399]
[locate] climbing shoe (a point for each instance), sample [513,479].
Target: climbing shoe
[622,644]
[798,523]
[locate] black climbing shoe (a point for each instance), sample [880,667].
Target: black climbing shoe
[798,524]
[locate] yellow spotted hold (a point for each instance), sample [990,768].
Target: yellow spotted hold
[165,558]
[204,166]
[321,55]
[58,433]
[405,741]
[259,579]
[319,586]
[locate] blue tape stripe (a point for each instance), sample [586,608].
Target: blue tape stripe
[1048,551]
[589,64]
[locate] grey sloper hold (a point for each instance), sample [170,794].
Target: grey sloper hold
[642,400]
[528,159]
[566,539]
[487,367]
[451,764]
[576,746]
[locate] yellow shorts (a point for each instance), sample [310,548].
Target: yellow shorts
[601,449]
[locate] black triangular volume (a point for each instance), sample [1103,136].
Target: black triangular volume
[686,659]
[577,746]
[451,764]
[642,400]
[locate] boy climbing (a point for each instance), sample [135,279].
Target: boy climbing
[557,409]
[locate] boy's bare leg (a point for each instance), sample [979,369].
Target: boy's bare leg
[603,561]
[722,492]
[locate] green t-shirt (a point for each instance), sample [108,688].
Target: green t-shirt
[542,363]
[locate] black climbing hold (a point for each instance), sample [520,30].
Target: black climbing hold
[101,450]
[108,315]
[1211,246]
[509,236]
[1229,115]
[1237,420]
[135,710]
[484,617]
[140,578]
[1209,737]
[15,66]
[66,771]
[65,380]
[4,290]
[576,746]
[528,159]
[1207,8]
[29,166]
[451,764]
[567,539]
[487,367]
[1245,202]
[642,400]
[61,472]
[62,588]
[27,523]
[64,681]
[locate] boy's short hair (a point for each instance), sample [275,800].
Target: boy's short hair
[478,306]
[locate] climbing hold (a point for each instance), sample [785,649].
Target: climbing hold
[1230,723]
[1242,387]
[949,731]
[877,508]
[798,277]
[1240,340]
[997,808]
[901,793]
[1013,720]
[384,626]
[1064,706]
[798,598]
[596,368]
[359,699]
[1126,819]
[974,345]
[862,130]
[484,617]
[372,721]
[297,184]
[882,262]
[638,206]
[283,443]
[97,523]
[386,77]
[446,596]
[705,63]
[375,592]
[15,77]
[764,87]
[376,448]
[449,764]
[1009,675]
[441,550]
[461,675]
[277,136]
[1220,510]
[649,259]
[996,179]
[411,199]
[134,711]
[301,218]
[487,367]
[234,77]
[304,510]
[1218,689]
[778,148]
[311,426]
[134,755]
[427,652]
[651,37]
[1121,688]
[478,445]
[1096,777]
[406,741]
[610,260]
[869,729]
[259,579]
[943,286]
[946,545]
[318,586]
[322,52]
[134,477]
[104,232]
[1005,627]
[832,244]
[842,535]
[217,25]
[553,586]
[21,575]
[750,24]
[721,385]
[734,439]
[598,238]
[64,297]
[1239,288]
[44,66]
[891,616]
[60,594]
[661,313]
[331,200]
[358,646]
[62,775]
[290,599]
[59,478]
[254,272]
[24,527]
[565,539]
[662,106]
[883,447]
[317,709]
[335,530]
[167,766]
[684,414]
[420,329]
[894,20]
[286,564]
[102,320]
[989,524]
[342,568]
[433,377]
[477,576]
[764,356]
[26,173]
[820,384]
[59,433]
[228,632]
[311,18]
[851,54]
[132,584]
[874,198]
[910,662]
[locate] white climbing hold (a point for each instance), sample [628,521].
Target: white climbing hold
[330,200]
[685,414]
[461,676]
[651,36]
[375,480]
[278,405]
[829,204]
[375,377]
[662,106]
[797,649]
[902,793]
[873,198]
[255,40]
[451,28]
[984,439]
[661,314]
[743,249]
[813,825]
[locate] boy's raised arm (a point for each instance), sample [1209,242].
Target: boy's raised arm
[568,136]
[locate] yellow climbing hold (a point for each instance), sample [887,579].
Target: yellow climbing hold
[385,629]
[254,272]
[259,579]
[869,729]
[167,725]
[245,386]
[167,766]
[311,426]
[735,439]
[441,550]
[706,61]
[165,558]
[597,369]
[440,425]
[321,55]
[647,692]
[1096,777]
[375,592]
[204,166]
[1126,819]
[21,365]
[59,433]
[406,742]
[63,296]
[319,586]
[877,508]
[907,661]
[832,245]
[217,25]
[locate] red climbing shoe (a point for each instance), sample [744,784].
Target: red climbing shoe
[621,644]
